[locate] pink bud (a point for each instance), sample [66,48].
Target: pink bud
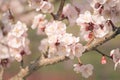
[103,60]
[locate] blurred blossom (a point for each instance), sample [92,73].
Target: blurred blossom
[71,13]
[81,5]
[44,6]
[16,7]
[115,54]
[86,70]
[110,9]
[6,18]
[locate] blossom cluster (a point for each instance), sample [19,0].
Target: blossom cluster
[86,70]
[93,24]
[59,42]
[107,8]
[13,40]
[94,20]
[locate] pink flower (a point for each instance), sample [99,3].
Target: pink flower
[115,54]
[86,70]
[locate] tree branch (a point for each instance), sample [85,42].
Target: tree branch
[59,12]
[1,73]
[36,65]
[49,61]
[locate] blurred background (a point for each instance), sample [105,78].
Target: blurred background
[63,70]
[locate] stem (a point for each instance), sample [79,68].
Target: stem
[102,53]
[79,61]
[22,63]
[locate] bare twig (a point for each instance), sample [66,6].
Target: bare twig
[103,53]
[22,63]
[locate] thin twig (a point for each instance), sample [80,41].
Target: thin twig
[22,63]
[100,52]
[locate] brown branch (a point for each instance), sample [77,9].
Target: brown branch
[36,65]
[1,73]
[59,12]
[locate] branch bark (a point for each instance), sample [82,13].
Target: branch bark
[57,16]
[1,73]
[50,61]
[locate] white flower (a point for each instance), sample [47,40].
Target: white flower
[71,13]
[115,54]
[44,45]
[78,49]
[93,26]
[77,68]
[16,42]
[39,22]
[86,17]
[61,50]
[18,29]
[74,50]
[68,39]
[15,54]
[86,70]
[4,52]
[55,28]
